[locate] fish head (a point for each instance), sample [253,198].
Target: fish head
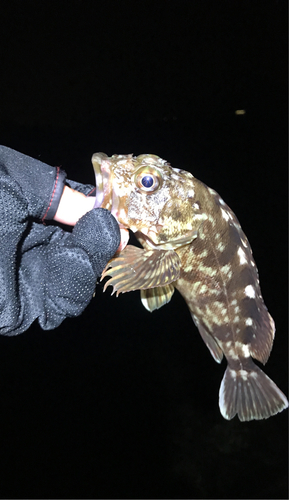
[149,197]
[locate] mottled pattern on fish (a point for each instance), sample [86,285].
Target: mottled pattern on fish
[193,242]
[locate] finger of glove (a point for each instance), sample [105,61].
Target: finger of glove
[97,232]
[87,189]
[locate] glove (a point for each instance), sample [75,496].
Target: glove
[46,273]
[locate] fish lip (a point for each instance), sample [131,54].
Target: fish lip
[102,173]
[105,194]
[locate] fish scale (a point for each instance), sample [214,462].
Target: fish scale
[193,242]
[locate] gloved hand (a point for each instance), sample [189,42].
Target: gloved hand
[46,273]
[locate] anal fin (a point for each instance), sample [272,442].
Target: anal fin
[210,342]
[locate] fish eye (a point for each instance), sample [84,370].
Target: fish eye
[148,180]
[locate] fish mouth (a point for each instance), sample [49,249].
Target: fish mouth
[102,181]
[105,194]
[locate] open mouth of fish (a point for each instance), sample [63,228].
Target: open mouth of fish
[103,182]
[105,194]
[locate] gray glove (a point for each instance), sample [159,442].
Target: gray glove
[46,273]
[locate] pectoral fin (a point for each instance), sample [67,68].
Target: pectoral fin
[154,298]
[138,269]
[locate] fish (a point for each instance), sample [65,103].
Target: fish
[192,242]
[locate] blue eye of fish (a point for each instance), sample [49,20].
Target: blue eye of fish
[147,181]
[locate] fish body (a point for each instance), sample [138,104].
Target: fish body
[193,242]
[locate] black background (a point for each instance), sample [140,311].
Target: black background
[120,403]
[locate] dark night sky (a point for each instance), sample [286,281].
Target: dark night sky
[119,403]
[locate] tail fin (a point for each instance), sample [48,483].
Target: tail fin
[250,394]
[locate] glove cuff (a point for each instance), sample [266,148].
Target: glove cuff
[55,195]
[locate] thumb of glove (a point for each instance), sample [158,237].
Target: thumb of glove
[97,232]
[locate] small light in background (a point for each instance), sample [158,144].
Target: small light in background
[240,112]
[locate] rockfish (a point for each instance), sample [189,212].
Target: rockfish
[192,241]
